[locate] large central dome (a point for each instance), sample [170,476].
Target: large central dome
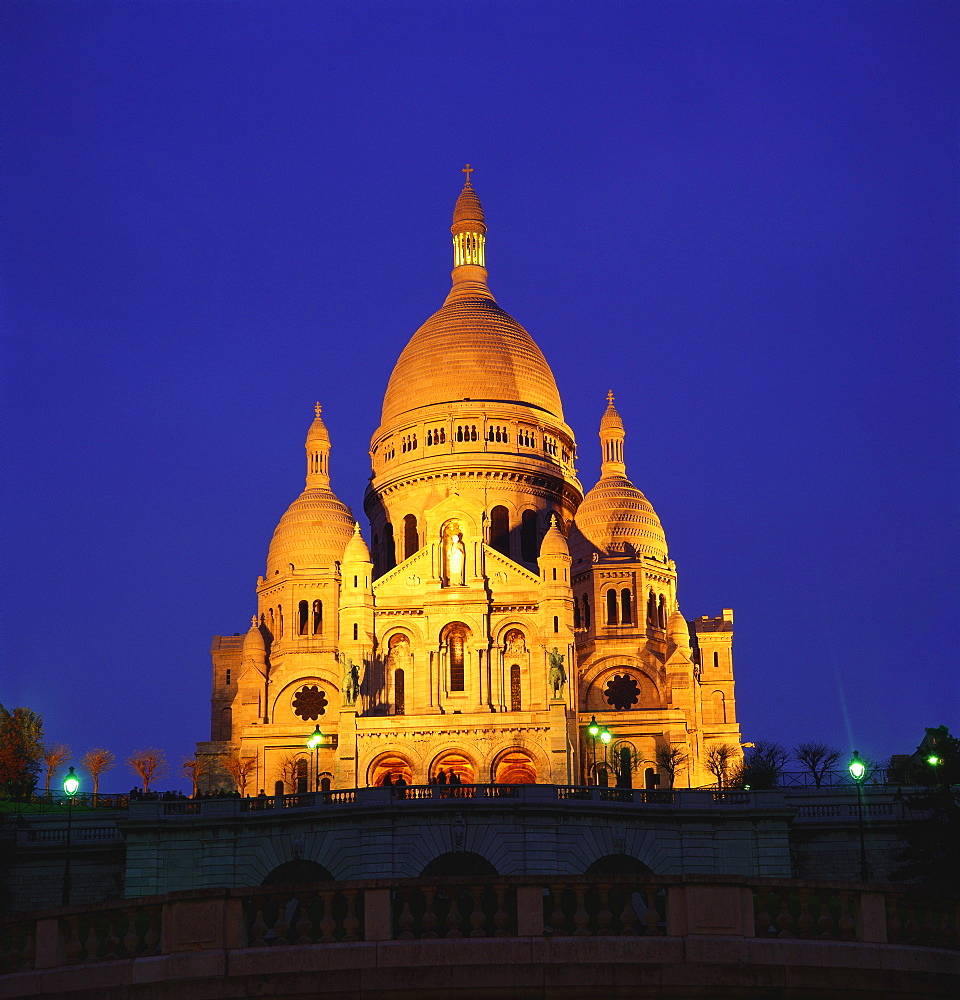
[470,348]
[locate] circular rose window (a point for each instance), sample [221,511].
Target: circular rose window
[622,692]
[310,702]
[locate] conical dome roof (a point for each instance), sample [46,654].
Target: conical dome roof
[356,549]
[311,534]
[615,518]
[254,646]
[553,543]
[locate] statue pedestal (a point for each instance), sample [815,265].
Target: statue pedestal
[345,775]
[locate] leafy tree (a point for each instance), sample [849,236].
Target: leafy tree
[240,768]
[97,761]
[670,759]
[149,763]
[817,759]
[196,768]
[719,760]
[21,751]
[762,766]
[53,757]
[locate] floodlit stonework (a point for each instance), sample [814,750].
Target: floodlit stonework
[495,609]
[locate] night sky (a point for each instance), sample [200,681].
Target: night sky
[741,217]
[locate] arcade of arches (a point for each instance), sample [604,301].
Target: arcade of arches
[498,608]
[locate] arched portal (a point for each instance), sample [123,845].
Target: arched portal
[300,871]
[393,764]
[453,762]
[515,768]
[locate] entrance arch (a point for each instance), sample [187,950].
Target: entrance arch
[515,767]
[393,764]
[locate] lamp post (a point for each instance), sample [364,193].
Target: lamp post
[858,771]
[605,738]
[313,743]
[593,731]
[71,785]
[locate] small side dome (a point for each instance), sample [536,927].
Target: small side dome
[611,420]
[615,518]
[318,429]
[254,647]
[311,534]
[356,550]
[468,210]
[554,544]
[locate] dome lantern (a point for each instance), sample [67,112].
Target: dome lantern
[611,441]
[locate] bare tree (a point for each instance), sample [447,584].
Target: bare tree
[240,768]
[196,768]
[53,757]
[762,766]
[671,758]
[719,759]
[149,763]
[817,759]
[287,768]
[97,761]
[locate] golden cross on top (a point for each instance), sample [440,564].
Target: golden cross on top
[468,170]
[610,398]
[316,408]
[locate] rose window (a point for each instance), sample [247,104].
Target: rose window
[310,702]
[622,692]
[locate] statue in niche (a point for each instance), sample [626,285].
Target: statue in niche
[515,645]
[399,652]
[558,674]
[350,686]
[454,555]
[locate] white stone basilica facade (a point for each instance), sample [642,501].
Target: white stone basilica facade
[495,610]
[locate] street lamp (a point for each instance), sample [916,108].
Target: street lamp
[858,769]
[313,743]
[71,785]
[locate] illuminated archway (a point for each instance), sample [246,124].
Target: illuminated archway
[515,767]
[454,762]
[394,764]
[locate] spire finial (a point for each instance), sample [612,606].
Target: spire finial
[254,622]
[317,408]
[468,170]
[609,398]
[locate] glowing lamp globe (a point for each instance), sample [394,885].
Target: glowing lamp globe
[857,767]
[71,784]
[605,735]
[594,728]
[933,760]
[316,737]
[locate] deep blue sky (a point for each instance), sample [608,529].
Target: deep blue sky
[741,217]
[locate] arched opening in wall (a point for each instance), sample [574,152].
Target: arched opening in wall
[618,864]
[515,768]
[301,776]
[626,606]
[226,724]
[719,707]
[651,609]
[455,637]
[586,611]
[326,780]
[303,617]
[459,863]
[500,529]
[576,613]
[651,779]
[280,619]
[393,764]
[399,693]
[716,660]
[300,871]
[389,557]
[454,763]
[604,774]
[411,539]
[528,536]
[662,611]
[356,632]
[611,607]
[317,617]
[516,700]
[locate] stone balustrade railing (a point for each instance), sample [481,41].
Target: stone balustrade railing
[477,907]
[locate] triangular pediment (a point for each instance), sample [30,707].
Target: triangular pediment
[410,575]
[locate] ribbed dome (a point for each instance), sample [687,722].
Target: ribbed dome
[470,349]
[468,209]
[611,420]
[615,518]
[678,630]
[312,533]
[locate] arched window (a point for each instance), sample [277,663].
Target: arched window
[399,703]
[324,784]
[586,611]
[719,707]
[356,632]
[303,617]
[456,638]
[556,624]
[500,529]
[611,607]
[459,433]
[651,609]
[317,617]
[301,776]
[515,697]
[528,536]
[473,432]
[626,611]
[280,619]
[716,661]
[662,611]
[411,540]
[389,550]
[576,613]
[554,572]
[226,724]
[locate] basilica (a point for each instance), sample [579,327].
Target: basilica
[496,625]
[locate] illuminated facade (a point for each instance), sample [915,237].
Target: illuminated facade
[496,609]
